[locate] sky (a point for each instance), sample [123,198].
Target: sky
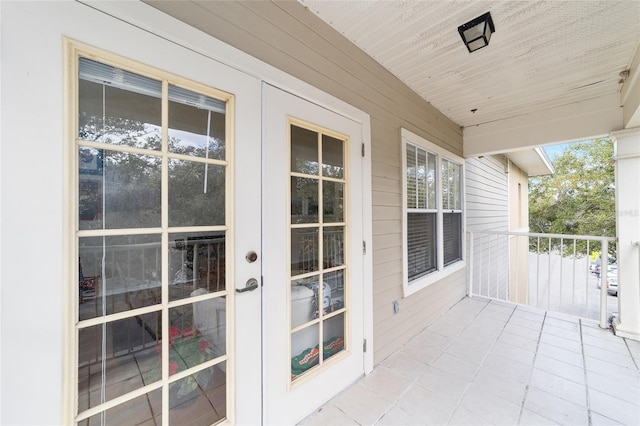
[553,151]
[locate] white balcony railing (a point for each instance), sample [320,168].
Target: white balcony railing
[549,271]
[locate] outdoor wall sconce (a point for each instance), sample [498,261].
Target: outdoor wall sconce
[477,32]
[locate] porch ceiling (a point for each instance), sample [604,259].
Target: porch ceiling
[553,71]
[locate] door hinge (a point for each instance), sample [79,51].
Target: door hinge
[363,150]
[364,345]
[364,247]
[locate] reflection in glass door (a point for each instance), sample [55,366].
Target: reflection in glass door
[319,276]
[151,238]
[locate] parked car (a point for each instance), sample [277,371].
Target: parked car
[612,280]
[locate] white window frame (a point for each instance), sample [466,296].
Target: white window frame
[408,137]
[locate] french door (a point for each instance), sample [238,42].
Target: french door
[217,242]
[312,256]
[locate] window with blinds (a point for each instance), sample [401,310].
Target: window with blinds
[433,231]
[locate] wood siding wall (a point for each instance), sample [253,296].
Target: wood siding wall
[289,37]
[488,210]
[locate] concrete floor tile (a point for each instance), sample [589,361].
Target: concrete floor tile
[561,354]
[560,342]
[529,418]
[426,406]
[621,360]
[562,332]
[397,416]
[386,383]
[560,387]
[456,366]
[503,387]
[514,353]
[554,408]
[616,372]
[445,384]
[405,365]
[518,341]
[362,404]
[524,322]
[503,367]
[464,417]
[613,408]
[522,331]
[328,415]
[626,390]
[560,368]
[493,408]
[422,351]
[600,420]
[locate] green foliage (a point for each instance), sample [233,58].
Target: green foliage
[579,198]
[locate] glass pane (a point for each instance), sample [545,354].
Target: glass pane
[196,193]
[335,281]
[188,345]
[196,262]
[452,236]
[446,186]
[333,246]
[304,200]
[118,107]
[304,350]
[431,181]
[333,338]
[332,157]
[118,274]
[118,190]
[196,124]
[304,151]
[117,358]
[304,300]
[199,399]
[143,410]
[332,202]
[421,244]
[412,197]
[421,178]
[305,250]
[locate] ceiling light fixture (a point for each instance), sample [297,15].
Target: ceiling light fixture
[477,32]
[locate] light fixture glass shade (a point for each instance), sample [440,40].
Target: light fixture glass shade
[477,32]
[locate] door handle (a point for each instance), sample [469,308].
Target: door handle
[251,285]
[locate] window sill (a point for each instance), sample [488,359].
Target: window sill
[432,278]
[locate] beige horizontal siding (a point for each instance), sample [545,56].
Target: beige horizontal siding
[291,38]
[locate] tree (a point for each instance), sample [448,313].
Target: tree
[579,198]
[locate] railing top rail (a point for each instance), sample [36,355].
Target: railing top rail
[534,234]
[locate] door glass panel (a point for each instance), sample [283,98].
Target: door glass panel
[200,398]
[189,346]
[118,189]
[333,201]
[196,193]
[333,339]
[304,200]
[333,246]
[304,151]
[124,168]
[303,300]
[144,409]
[332,157]
[118,107]
[196,262]
[317,288]
[118,274]
[335,281]
[305,250]
[196,124]
[113,357]
[304,350]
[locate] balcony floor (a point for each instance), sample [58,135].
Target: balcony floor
[489,362]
